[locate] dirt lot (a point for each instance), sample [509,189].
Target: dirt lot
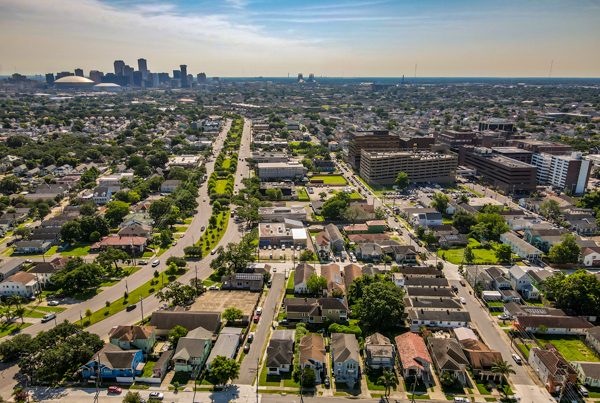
[220,300]
[288,253]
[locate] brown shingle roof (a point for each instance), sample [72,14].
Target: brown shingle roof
[556,322]
[412,350]
[311,347]
[126,333]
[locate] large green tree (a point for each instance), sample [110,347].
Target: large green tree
[176,333]
[316,284]
[160,207]
[176,293]
[382,306]
[335,206]
[440,202]
[463,221]
[489,227]
[567,251]
[77,276]
[234,257]
[580,291]
[116,211]
[503,253]
[223,369]
[402,181]
[112,256]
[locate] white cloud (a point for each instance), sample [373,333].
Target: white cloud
[237,3]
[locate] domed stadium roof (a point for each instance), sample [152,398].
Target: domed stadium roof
[73,80]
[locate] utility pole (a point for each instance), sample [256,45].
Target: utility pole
[257,376]
[142,307]
[413,389]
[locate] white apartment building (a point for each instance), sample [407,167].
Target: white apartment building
[568,172]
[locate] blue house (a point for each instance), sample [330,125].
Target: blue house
[323,165]
[114,362]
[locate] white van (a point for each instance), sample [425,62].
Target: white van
[48,317]
[155,263]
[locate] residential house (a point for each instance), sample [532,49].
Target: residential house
[351,273]
[444,229]
[551,368]
[447,356]
[449,241]
[422,292]
[500,280]
[379,352]
[426,219]
[8,267]
[376,226]
[323,245]
[482,359]
[164,321]
[333,275]
[336,238]
[133,337]
[47,234]
[513,310]
[590,256]
[583,225]
[323,165]
[136,230]
[129,244]
[162,365]
[243,281]
[313,310]
[37,247]
[544,239]
[192,350]
[43,272]
[476,275]
[47,191]
[345,354]
[446,319]
[413,356]
[438,282]
[518,278]
[301,275]
[433,304]
[565,325]
[368,251]
[592,337]
[227,345]
[112,362]
[169,186]
[21,283]
[312,354]
[521,247]
[280,354]
[102,195]
[588,373]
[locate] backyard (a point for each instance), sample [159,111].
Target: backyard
[455,255]
[570,347]
[302,195]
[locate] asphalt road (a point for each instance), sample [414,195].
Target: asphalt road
[249,365]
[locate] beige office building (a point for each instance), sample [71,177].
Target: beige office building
[382,168]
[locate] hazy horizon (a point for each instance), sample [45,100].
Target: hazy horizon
[251,38]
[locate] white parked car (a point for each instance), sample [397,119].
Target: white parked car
[463,300]
[53,303]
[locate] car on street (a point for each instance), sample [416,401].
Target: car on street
[259,311]
[53,303]
[155,263]
[213,287]
[251,337]
[246,348]
[143,262]
[504,317]
[463,300]
[269,283]
[458,399]
[174,243]
[462,283]
[212,252]
[114,389]
[202,228]
[60,295]
[131,307]
[517,359]
[156,395]
[326,382]
[256,318]
[28,261]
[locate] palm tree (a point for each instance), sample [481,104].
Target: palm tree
[20,312]
[386,260]
[387,380]
[503,368]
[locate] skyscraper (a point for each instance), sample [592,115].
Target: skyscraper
[96,76]
[119,66]
[128,72]
[300,78]
[184,80]
[176,74]
[163,78]
[201,78]
[79,72]
[143,67]
[50,79]
[64,74]
[137,78]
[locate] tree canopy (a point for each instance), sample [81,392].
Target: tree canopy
[567,251]
[381,306]
[579,291]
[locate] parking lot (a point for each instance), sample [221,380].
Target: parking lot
[287,254]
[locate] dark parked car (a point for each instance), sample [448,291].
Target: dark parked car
[326,382]
[247,348]
[131,307]
[251,337]
[462,283]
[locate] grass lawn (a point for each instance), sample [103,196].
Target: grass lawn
[495,303]
[594,393]
[188,221]
[52,251]
[481,388]
[6,329]
[355,195]
[180,229]
[30,313]
[50,309]
[208,283]
[496,313]
[289,382]
[302,195]
[330,180]
[447,220]
[419,397]
[570,347]
[128,271]
[491,399]
[108,283]
[148,254]
[220,188]
[524,349]
[290,283]
[182,377]
[222,221]
[471,191]
[148,369]
[163,250]
[80,249]
[482,256]
[372,376]
[506,390]
[453,390]
[226,163]
[134,298]
[268,380]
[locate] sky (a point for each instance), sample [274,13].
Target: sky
[335,38]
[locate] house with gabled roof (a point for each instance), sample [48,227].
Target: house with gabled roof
[313,310]
[345,354]
[379,352]
[351,273]
[551,368]
[482,359]
[333,275]
[280,355]
[566,325]
[413,356]
[133,337]
[312,354]
[113,362]
[301,275]
[447,356]
[192,350]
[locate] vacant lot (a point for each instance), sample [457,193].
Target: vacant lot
[570,347]
[331,180]
[218,301]
[482,256]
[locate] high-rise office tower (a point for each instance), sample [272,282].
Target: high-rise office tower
[300,77]
[137,78]
[311,78]
[163,78]
[154,78]
[79,72]
[96,76]
[128,72]
[184,80]
[201,78]
[119,66]
[190,80]
[64,74]
[143,68]
[176,74]
[50,79]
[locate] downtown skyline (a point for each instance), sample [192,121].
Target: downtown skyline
[238,38]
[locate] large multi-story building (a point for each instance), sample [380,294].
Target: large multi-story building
[507,174]
[79,72]
[375,140]
[143,67]
[417,143]
[201,77]
[184,78]
[496,125]
[50,79]
[538,147]
[382,168]
[274,171]
[567,172]
[261,158]
[515,153]
[119,66]
[453,139]
[96,76]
